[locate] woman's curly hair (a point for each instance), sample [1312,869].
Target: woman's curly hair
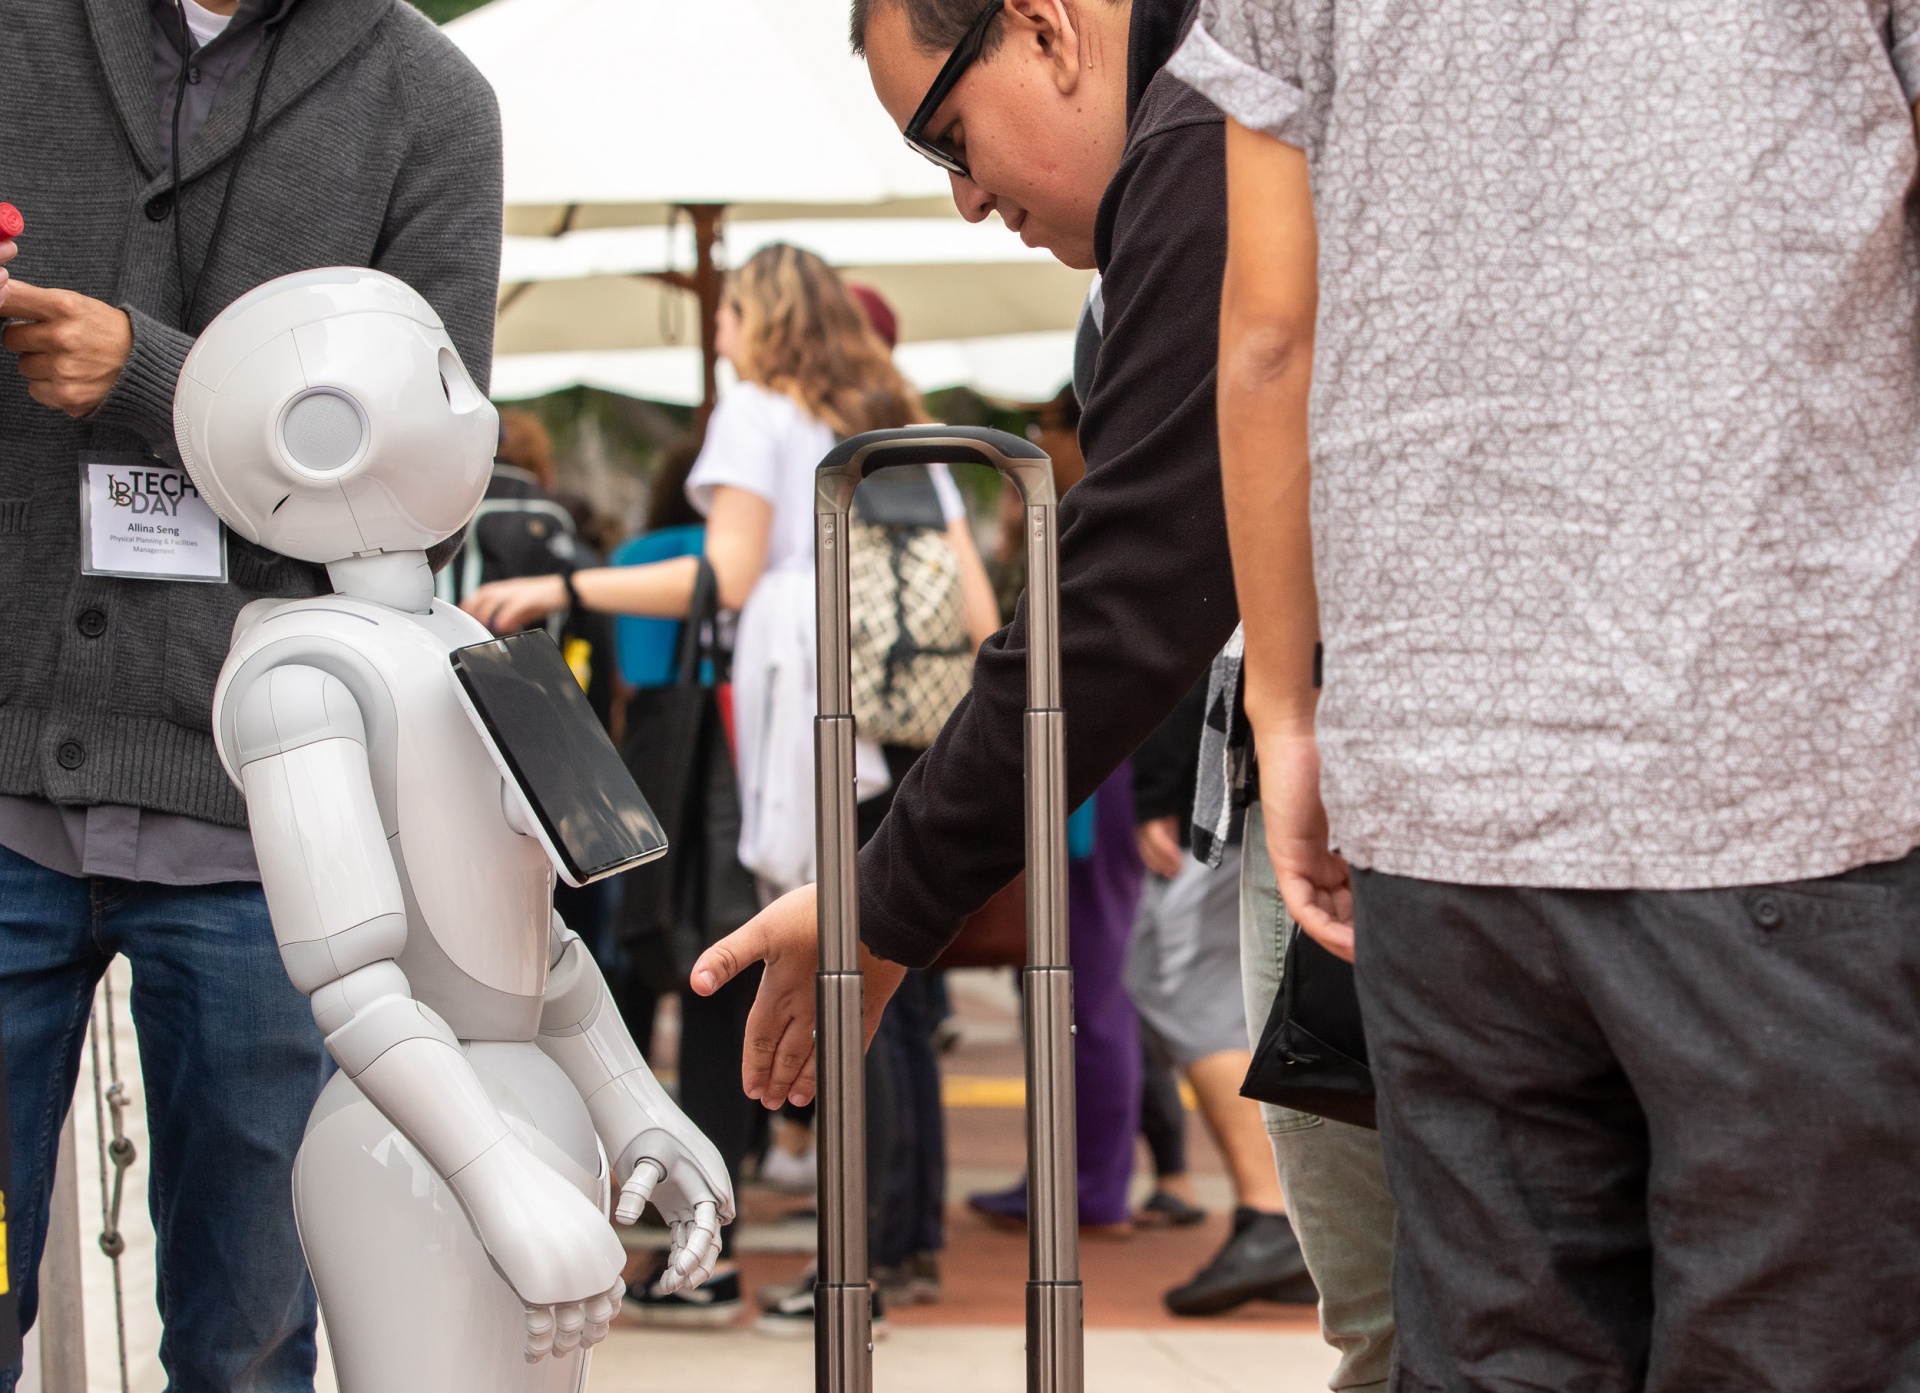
[802,334]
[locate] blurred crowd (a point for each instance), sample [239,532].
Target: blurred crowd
[1488,557]
[679,615]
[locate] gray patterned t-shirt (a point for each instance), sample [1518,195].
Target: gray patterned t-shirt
[1615,427]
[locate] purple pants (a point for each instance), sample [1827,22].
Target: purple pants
[1102,892]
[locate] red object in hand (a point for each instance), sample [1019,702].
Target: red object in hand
[11,223]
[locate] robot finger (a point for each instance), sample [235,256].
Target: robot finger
[673,1277]
[706,1218]
[600,1312]
[690,1250]
[540,1325]
[708,1261]
[601,1309]
[569,1321]
[634,1195]
[702,1242]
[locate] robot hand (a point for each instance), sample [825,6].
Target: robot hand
[550,1243]
[682,1173]
[657,1153]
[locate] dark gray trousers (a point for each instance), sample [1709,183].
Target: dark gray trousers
[1650,1140]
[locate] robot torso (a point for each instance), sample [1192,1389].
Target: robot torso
[478,893]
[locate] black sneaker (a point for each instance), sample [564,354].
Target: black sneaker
[1261,1261]
[770,1294]
[792,1317]
[926,1278]
[1165,1207]
[715,1302]
[915,1282]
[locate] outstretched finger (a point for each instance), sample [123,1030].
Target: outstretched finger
[728,958]
[634,1195]
[27,301]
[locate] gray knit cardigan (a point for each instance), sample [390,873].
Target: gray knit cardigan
[378,145]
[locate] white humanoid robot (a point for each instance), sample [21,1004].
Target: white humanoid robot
[453,1187]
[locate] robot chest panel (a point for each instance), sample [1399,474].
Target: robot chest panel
[483,891]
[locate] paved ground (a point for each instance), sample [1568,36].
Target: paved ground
[976,1359]
[971,1342]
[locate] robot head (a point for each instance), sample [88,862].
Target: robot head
[325,415]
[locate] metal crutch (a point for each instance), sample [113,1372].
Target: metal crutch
[843,1336]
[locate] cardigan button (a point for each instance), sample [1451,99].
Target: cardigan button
[70,754]
[92,623]
[160,206]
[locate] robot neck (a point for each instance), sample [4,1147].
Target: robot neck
[397,579]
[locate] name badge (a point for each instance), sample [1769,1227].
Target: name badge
[145,520]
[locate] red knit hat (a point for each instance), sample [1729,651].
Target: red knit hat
[879,313]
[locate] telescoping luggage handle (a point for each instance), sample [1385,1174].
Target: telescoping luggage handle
[843,1348]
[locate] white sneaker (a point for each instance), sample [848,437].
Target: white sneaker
[788,1173]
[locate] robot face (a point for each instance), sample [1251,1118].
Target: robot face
[326,415]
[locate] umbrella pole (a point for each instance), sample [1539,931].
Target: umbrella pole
[707,279]
[704,282]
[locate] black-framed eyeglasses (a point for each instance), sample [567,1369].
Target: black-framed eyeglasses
[963,55]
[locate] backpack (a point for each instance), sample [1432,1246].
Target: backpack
[912,656]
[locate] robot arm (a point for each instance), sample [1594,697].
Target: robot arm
[657,1153]
[340,919]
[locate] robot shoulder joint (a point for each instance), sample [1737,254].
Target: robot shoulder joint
[290,706]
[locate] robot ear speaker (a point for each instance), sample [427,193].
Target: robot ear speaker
[462,395]
[322,431]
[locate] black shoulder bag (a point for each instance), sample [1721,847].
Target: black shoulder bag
[1312,1055]
[676,749]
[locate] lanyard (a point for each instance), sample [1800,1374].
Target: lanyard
[190,296]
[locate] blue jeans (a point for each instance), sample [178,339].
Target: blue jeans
[232,1062]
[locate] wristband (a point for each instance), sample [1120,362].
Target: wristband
[573,596]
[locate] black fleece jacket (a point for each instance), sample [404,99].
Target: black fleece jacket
[1146,586]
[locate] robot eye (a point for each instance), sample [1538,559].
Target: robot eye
[322,431]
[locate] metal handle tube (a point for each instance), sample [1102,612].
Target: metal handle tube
[843,1350]
[1054,1296]
[842,1307]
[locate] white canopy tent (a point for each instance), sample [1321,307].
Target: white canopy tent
[620,113]
[980,307]
[665,102]
[1015,367]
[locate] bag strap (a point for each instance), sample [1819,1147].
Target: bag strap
[702,607]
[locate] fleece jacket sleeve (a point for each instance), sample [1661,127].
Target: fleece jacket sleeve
[442,230]
[441,233]
[1146,584]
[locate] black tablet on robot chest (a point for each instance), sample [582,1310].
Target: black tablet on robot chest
[545,737]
